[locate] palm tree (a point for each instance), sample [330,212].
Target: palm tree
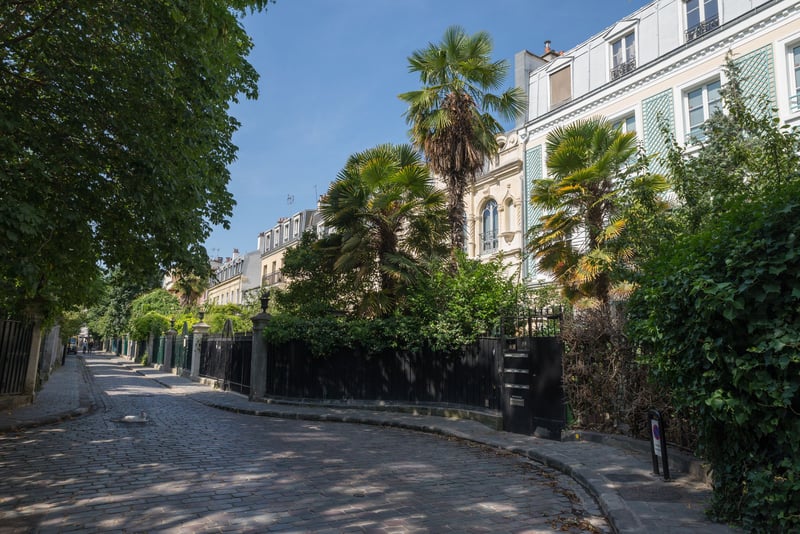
[450,117]
[389,214]
[593,177]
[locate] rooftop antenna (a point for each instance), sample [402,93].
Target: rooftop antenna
[290,199]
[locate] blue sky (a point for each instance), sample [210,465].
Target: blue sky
[331,71]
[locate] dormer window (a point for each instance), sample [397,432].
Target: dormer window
[623,56]
[561,86]
[702,16]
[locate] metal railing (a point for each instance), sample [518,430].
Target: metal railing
[623,68]
[15,351]
[272,278]
[702,28]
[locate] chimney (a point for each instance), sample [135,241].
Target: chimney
[547,47]
[235,253]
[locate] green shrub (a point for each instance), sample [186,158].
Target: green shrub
[719,314]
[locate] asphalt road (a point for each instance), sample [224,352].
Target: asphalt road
[150,459]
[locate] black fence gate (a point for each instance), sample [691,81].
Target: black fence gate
[15,352]
[227,358]
[182,350]
[533,395]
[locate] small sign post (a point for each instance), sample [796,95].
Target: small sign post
[658,442]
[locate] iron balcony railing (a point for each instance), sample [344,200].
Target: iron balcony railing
[623,68]
[272,278]
[702,28]
[488,242]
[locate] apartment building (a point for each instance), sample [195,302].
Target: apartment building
[660,67]
[273,243]
[233,278]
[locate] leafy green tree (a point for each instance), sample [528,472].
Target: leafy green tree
[115,139]
[189,287]
[158,301]
[717,319]
[385,207]
[451,116]
[315,287]
[596,182]
[716,311]
[447,310]
[239,315]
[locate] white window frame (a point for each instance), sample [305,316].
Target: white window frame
[793,63]
[689,136]
[705,24]
[622,120]
[626,63]
[489,243]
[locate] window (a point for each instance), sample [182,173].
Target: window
[489,227]
[794,62]
[296,232]
[702,16]
[701,103]
[623,56]
[626,124]
[560,87]
[286,232]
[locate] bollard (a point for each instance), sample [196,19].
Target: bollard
[658,441]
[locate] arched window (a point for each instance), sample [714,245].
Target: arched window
[489,227]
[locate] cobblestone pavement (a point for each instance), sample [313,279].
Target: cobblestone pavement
[151,459]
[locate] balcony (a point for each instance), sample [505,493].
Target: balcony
[488,242]
[272,279]
[701,29]
[623,68]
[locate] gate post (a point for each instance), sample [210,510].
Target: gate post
[169,346]
[258,355]
[29,388]
[199,329]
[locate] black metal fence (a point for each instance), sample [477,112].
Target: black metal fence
[227,359]
[182,352]
[15,350]
[470,378]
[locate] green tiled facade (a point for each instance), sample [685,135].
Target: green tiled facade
[758,77]
[534,170]
[657,113]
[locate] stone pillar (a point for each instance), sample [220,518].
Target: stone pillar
[199,329]
[33,359]
[258,357]
[149,350]
[169,345]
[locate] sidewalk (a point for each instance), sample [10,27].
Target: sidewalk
[621,479]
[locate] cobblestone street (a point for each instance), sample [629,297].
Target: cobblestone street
[153,459]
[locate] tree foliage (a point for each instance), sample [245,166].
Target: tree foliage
[744,152]
[115,138]
[596,184]
[315,287]
[716,313]
[451,116]
[389,215]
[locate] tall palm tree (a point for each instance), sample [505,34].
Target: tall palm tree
[389,214]
[593,176]
[450,117]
